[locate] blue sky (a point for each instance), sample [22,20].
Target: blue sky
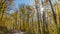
[24,1]
[29,2]
[19,2]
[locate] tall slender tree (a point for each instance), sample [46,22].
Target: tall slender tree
[37,5]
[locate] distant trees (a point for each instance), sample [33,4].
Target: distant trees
[25,16]
[57,9]
[25,19]
[3,10]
